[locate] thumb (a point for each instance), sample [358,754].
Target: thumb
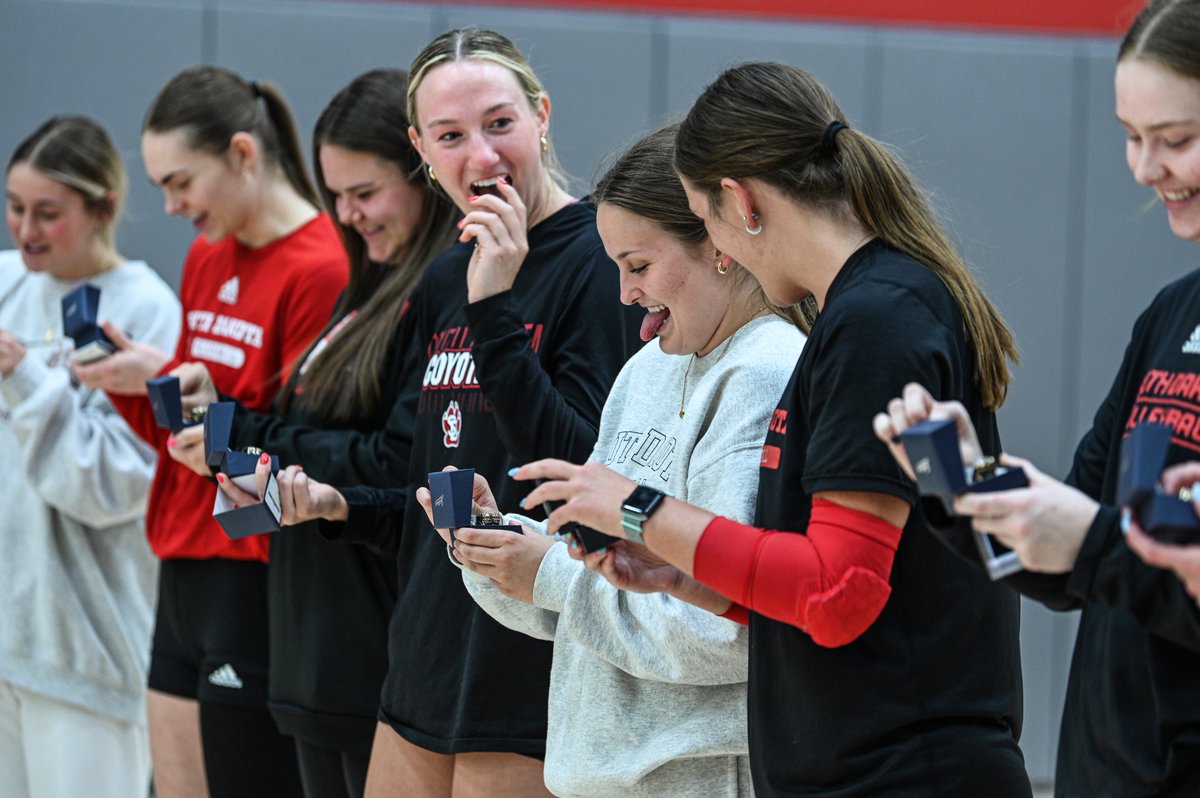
[262,473]
[116,335]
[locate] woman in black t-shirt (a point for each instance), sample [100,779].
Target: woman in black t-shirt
[1131,719]
[878,665]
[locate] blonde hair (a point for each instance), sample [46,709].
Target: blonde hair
[481,44]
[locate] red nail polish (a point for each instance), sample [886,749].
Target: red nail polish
[461,222]
[266,458]
[473,198]
[236,505]
[221,478]
[506,180]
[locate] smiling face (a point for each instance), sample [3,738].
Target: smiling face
[51,224]
[687,301]
[1160,110]
[476,128]
[205,188]
[372,195]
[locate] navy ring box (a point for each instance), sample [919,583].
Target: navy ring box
[1161,516]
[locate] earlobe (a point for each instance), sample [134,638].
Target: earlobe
[414,138]
[543,113]
[243,151]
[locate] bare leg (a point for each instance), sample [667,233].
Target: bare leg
[175,747]
[400,768]
[498,775]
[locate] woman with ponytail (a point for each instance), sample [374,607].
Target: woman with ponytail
[879,665]
[258,285]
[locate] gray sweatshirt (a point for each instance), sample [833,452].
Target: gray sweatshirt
[648,693]
[77,577]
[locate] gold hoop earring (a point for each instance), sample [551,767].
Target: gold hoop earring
[722,266]
[758,228]
[432,176]
[545,145]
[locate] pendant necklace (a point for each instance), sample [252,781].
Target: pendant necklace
[683,390]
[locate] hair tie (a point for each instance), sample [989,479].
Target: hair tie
[256,90]
[829,137]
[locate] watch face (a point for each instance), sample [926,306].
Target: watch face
[643,500]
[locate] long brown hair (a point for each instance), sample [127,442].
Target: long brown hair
[211,103]
[344,381]
[77,152]
[644,182]
[768,121]
[1168,32]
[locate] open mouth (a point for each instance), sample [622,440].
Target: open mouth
[656,317]
[490,185]
[1181,195]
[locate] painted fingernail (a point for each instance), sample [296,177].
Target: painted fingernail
[506,180]
[473,198]
[521,504]
[602,549]
[221,478]
[172,441]
[512,472]
[461,222]
[236,505]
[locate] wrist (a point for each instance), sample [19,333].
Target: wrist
[340,511]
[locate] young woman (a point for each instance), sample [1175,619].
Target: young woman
[648,692]
[1131,724]
[78,578]
[878,665]
[518,339]
[259,283]
[337,415]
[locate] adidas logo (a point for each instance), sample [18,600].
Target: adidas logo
[1192,345]
[229,291]
[226,676]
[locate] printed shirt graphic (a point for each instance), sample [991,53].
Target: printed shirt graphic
[449,386]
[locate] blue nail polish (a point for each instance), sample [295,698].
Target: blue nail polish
[602,550]
[512,472]
[521,504]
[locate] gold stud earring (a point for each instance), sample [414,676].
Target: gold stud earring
[545,145]
[432,176]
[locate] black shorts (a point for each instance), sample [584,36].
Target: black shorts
[210,633]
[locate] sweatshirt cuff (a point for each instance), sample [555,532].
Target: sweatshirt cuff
[361,518]
[554,577]
[1096,544]
[22,381]
[493,317]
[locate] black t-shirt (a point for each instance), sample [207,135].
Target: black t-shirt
[512,378]
[928,700]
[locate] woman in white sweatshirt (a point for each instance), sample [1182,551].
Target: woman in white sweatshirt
[77,578]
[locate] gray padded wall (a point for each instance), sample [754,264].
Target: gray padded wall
[1014,136]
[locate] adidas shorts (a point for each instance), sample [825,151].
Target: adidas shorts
[210,633]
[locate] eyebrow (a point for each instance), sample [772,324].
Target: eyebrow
[166,179]
[355,187]
[11,197]
[1161,125]
[625,255]
[493,109]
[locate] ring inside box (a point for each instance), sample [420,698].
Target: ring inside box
[932,448]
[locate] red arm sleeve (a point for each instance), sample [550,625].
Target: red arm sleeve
[737,613]
[831,582]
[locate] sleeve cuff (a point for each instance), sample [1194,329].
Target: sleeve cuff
[22,381]
[493,317]
[553,579]
[1096,544]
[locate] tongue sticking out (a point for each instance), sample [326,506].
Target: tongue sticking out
[653,322]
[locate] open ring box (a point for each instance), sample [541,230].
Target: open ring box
[1163,516]
[451,493]
[80,312]
[167,404]
[932,448]
[250,519]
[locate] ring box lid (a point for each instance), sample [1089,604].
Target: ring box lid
[451,493]
[167,403]
[218,426]
[1164,517]
[80,312]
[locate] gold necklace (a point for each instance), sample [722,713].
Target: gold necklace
[683,390]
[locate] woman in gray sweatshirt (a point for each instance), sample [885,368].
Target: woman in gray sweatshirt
[77,578]
[647,690]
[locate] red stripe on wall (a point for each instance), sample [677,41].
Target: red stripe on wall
[1051,16]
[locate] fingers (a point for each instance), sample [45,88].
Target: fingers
[239,497]
[425,499]
[262,473]
[116,335]
[1181,475]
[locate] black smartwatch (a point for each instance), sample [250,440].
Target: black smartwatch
[636,508]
